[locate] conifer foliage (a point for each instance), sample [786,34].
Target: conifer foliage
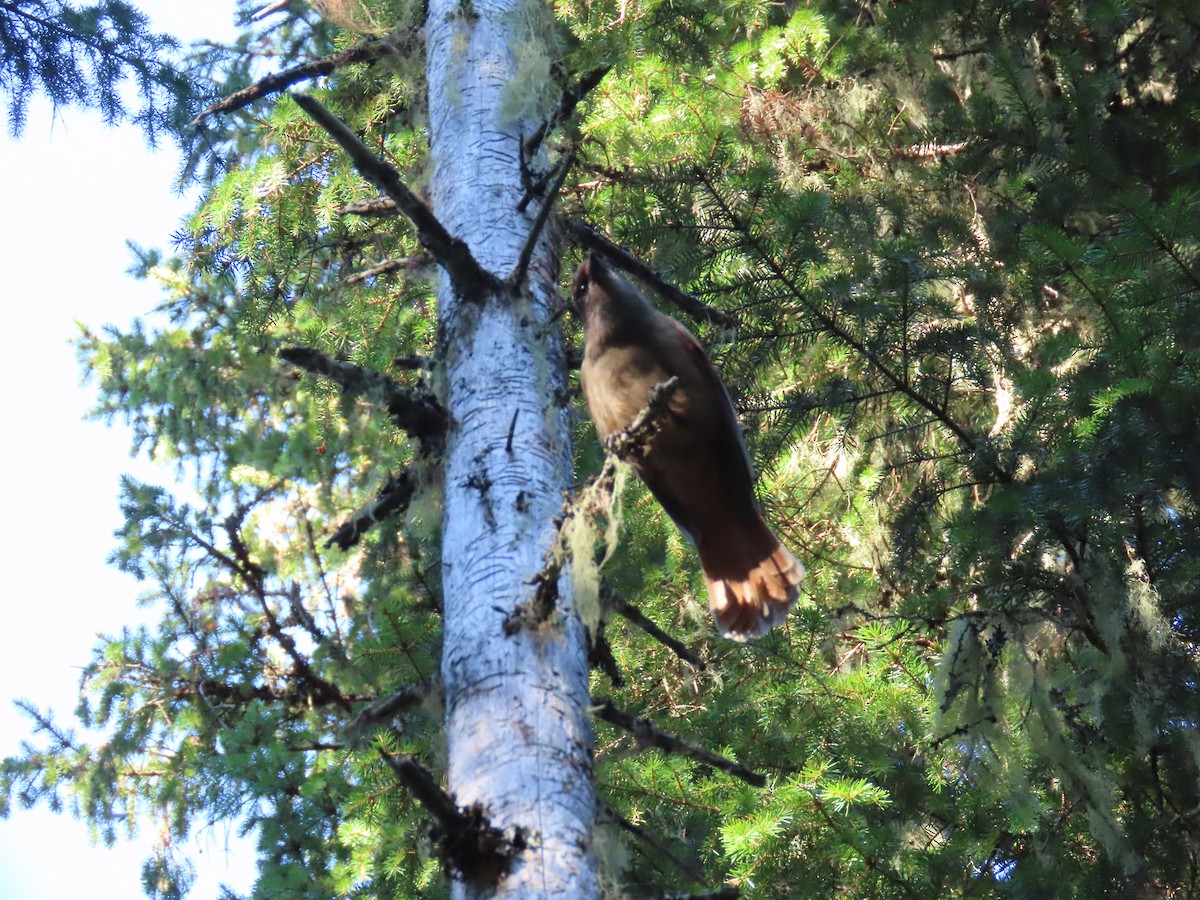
[946,260]
[83,56]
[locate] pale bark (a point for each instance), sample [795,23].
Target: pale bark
[519,740]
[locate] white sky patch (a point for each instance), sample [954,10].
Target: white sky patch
[73,192]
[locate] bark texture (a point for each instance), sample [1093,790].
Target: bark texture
[516,705]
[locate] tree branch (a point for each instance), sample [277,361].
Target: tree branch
[254,575]
[376,207]
[631,443]
[539,222]
[642,834]
[391,499]
[600,656]
[212,689]
[571,96]
[408,263]
[647,734]
[416,412]
[471,281]
[468,843]
[593,240]
[381,713]
[632,614]
[368,51]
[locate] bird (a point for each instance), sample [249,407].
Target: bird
[695,464]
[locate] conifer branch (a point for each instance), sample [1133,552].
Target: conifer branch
[471,281]
[367,51]
[376,207]
[593,240]
[648,838]
[632,614]
[571,96]
[409,264]
[468,843]
[381,713]
[254,575]
[391,499]
[647,734]
[898,380]
[416,412]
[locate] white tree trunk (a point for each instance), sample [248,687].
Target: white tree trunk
[516,706]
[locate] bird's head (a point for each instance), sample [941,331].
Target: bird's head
[586,287]
[604,300]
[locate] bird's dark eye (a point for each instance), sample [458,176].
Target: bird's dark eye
[581,288]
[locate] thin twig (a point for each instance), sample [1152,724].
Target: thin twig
[647,837]
[566,106]
[409,264]
[381,713]
[539,222]
[600,656]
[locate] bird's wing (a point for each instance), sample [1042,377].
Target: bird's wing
[728,431]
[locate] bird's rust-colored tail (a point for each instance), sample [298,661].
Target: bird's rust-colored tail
[753,580]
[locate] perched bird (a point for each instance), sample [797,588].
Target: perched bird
[696,464]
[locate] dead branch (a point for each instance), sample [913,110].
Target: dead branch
[413,363]
[600,656]
[416,412]
[571,96]
[647,734]
[381,713]
[367,51]
[376,207]
[539,222]
[409,264]
[213,690]
[270,9]
[391,499]
[467,841]
[471,281]
[646,837]
[632,442]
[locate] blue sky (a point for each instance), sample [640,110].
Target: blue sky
[72,192]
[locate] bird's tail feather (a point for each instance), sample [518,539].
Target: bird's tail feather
[751,584]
